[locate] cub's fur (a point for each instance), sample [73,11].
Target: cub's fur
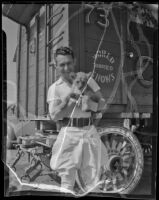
[80,87]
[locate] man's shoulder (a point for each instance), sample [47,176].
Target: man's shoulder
[52,86]
[59,81]
[53,91]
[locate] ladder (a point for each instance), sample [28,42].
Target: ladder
[50,75]
[52,11]
[51,39]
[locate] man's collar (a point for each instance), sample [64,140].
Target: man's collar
[59,81]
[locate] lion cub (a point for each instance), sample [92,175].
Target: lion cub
[82,88]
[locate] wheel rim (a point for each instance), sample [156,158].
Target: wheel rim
[121,163]
[125,161]
[124,168]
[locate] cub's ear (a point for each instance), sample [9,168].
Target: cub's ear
[73,75]
[89,74]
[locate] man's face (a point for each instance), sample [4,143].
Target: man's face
[65,64]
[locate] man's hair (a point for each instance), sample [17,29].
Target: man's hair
[64,51]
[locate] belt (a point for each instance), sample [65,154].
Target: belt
[76,122]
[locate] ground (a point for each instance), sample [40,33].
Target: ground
[143,188]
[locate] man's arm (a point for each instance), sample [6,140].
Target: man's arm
[59,109]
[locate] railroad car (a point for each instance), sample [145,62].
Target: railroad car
[115,41]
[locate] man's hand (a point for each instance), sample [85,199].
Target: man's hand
[60,109]
[66,99]
[71,98]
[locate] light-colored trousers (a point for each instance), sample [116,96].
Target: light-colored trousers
[78,148]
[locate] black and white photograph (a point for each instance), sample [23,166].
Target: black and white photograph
[80,99]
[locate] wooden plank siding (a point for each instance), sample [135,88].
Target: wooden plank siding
[74,32]
[41,62]
[57,36]
[31,68]
[28,78]
[23,72]
[59,33]
[18,70]
[37,64]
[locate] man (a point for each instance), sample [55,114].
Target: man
[78,146]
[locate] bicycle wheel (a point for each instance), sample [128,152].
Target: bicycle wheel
[124,168]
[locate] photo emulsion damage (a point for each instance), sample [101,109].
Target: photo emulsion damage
[81,105]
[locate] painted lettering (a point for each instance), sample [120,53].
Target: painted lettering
[105,54]
[113,77]
[105,67]
[104,16]
[105,78]
[112,60]
[101,17]
[102,79]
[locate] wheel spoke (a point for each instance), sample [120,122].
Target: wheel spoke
[120,177]
[107,143]
[119,146]
[126,164]
[114,187]
[125,156]
[125,172]
[123,151]
[114,143]
[124,143]
[125,148]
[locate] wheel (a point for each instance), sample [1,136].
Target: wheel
[124,168]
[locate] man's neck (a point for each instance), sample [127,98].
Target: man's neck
[67,80]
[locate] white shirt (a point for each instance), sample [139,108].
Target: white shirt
[60,89]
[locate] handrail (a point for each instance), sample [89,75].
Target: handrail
[55,15]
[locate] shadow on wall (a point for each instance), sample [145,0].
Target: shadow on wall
[21,128]
[25,128]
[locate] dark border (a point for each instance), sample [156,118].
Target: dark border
[4,110]
[155,125]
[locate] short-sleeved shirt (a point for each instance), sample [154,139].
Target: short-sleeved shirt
[60,89]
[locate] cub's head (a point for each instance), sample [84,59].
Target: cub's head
[80,79]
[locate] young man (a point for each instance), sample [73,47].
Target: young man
[78,145]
